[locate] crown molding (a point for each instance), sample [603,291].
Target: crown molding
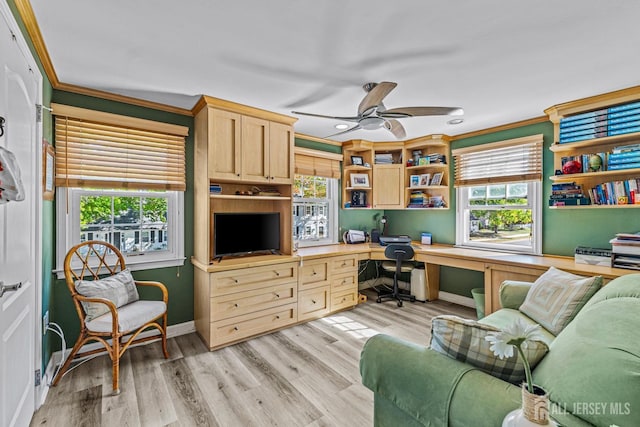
[500,128]
[317,139]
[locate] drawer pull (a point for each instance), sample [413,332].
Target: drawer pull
[235,328]
[314,273]
[235,280]
[313,301]
[343,300]
[277,317]
[277,273]
[235,305]
[277,295]
[344,281]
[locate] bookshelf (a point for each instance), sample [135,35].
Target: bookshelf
[430,146]
[606,179]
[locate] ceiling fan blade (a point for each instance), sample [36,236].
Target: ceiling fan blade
[396,128]
[401,112]
[322,116]
[356,127]
[374,97]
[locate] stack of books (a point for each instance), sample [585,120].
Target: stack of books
[625,251]
[437,158]
[616,192]
[624,157]
[567,194]
[616,120]
[418,199]
[383,158]
[215,189]
[592,256]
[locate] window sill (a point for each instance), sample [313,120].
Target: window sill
[141,265]
[497,249]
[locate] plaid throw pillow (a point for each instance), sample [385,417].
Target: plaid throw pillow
[556,297]
[463,340]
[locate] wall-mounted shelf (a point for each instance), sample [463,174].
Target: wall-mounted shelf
[241,197]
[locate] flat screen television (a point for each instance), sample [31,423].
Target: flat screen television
[245,232]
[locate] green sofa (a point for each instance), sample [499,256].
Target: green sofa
[591,372]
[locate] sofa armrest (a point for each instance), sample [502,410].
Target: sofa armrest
[513,293]
[424,384]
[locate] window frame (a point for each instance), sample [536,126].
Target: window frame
[333,190]
[68,228]
[463,208]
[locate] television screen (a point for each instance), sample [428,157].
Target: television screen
[246,232]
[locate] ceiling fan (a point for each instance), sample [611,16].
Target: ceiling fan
[372,114]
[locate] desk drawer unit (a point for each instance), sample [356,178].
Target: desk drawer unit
[241,327]
[232,281]
[344,282]
[314,273]
[314,303]
[226,306]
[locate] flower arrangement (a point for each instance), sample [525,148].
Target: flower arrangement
[516,335]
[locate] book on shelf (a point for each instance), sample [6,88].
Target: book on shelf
[624,116]
[566,121]
[622,166]
[565,186]
[583,134]
[623,107]
[623,125]
[578,201]
[625,148]
[630,154]
[215,188]
[592,256]
[626,159]
[629,236]
[588,127]
[567,195]
[624,131]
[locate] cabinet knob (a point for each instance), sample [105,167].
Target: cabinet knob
[277,317]
[277,273]
[344,281]
[314,273]
[235,280]
[277,295]
[237,174]
[235,305]
[313,301]
[235,328]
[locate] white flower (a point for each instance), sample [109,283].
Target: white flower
[515,335]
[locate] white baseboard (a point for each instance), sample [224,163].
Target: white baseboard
[456,299]
[56,357]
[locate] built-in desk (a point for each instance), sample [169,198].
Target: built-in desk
[238,298]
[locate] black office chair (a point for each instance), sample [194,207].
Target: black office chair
[399,253]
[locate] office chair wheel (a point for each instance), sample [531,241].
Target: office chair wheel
[399,303]
[378,300]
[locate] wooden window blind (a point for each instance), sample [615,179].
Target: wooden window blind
[317,163]
[103,150]
[514,160]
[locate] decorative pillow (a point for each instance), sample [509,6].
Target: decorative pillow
[463,340]
[557,296]
[119,289]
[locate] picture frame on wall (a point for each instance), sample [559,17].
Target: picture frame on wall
[437,179]
[415,181]
[359,180]
[357,161]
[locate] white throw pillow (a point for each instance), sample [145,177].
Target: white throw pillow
[120,289]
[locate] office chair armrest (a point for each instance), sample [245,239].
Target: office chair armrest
[162,287]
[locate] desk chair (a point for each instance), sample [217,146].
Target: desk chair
[399,253]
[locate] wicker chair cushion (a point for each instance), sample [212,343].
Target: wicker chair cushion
[120,289]
[130,316]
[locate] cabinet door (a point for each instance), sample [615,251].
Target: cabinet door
[387,187]
[255,149]
[224,144]
[280,153]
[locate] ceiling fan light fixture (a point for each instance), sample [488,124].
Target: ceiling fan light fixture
[341,126]
[455,121]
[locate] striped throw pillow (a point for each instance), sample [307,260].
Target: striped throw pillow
[557,296]
[463,340]
[120,289]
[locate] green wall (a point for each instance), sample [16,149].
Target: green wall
[179,280]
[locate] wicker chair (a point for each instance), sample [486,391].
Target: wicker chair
[117,323]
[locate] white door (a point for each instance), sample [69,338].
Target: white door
[19,229]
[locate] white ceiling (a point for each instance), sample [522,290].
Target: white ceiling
[501,60]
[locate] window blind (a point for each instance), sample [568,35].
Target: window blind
[317,163]
[102,150]
[514,160]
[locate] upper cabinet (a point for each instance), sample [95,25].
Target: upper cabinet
[397,175]
[596,151]
[250,149]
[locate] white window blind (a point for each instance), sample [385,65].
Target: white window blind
[103,150]
[514,160]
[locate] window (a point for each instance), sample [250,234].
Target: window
[498,193]
[124,180]
[315,210]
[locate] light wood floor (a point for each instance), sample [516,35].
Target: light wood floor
[306,375]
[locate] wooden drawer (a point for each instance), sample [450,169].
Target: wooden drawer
[343,264]
[227,282]
[313,303]
[240,327]
[345,299]
[344,282]
[314,273]
[226,306]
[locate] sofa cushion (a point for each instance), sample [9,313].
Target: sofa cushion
[120,289]
[557,296]
[464,340]
[506,316]
[593,366]
[130,316]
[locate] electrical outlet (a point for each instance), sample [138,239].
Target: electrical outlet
[45,322]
